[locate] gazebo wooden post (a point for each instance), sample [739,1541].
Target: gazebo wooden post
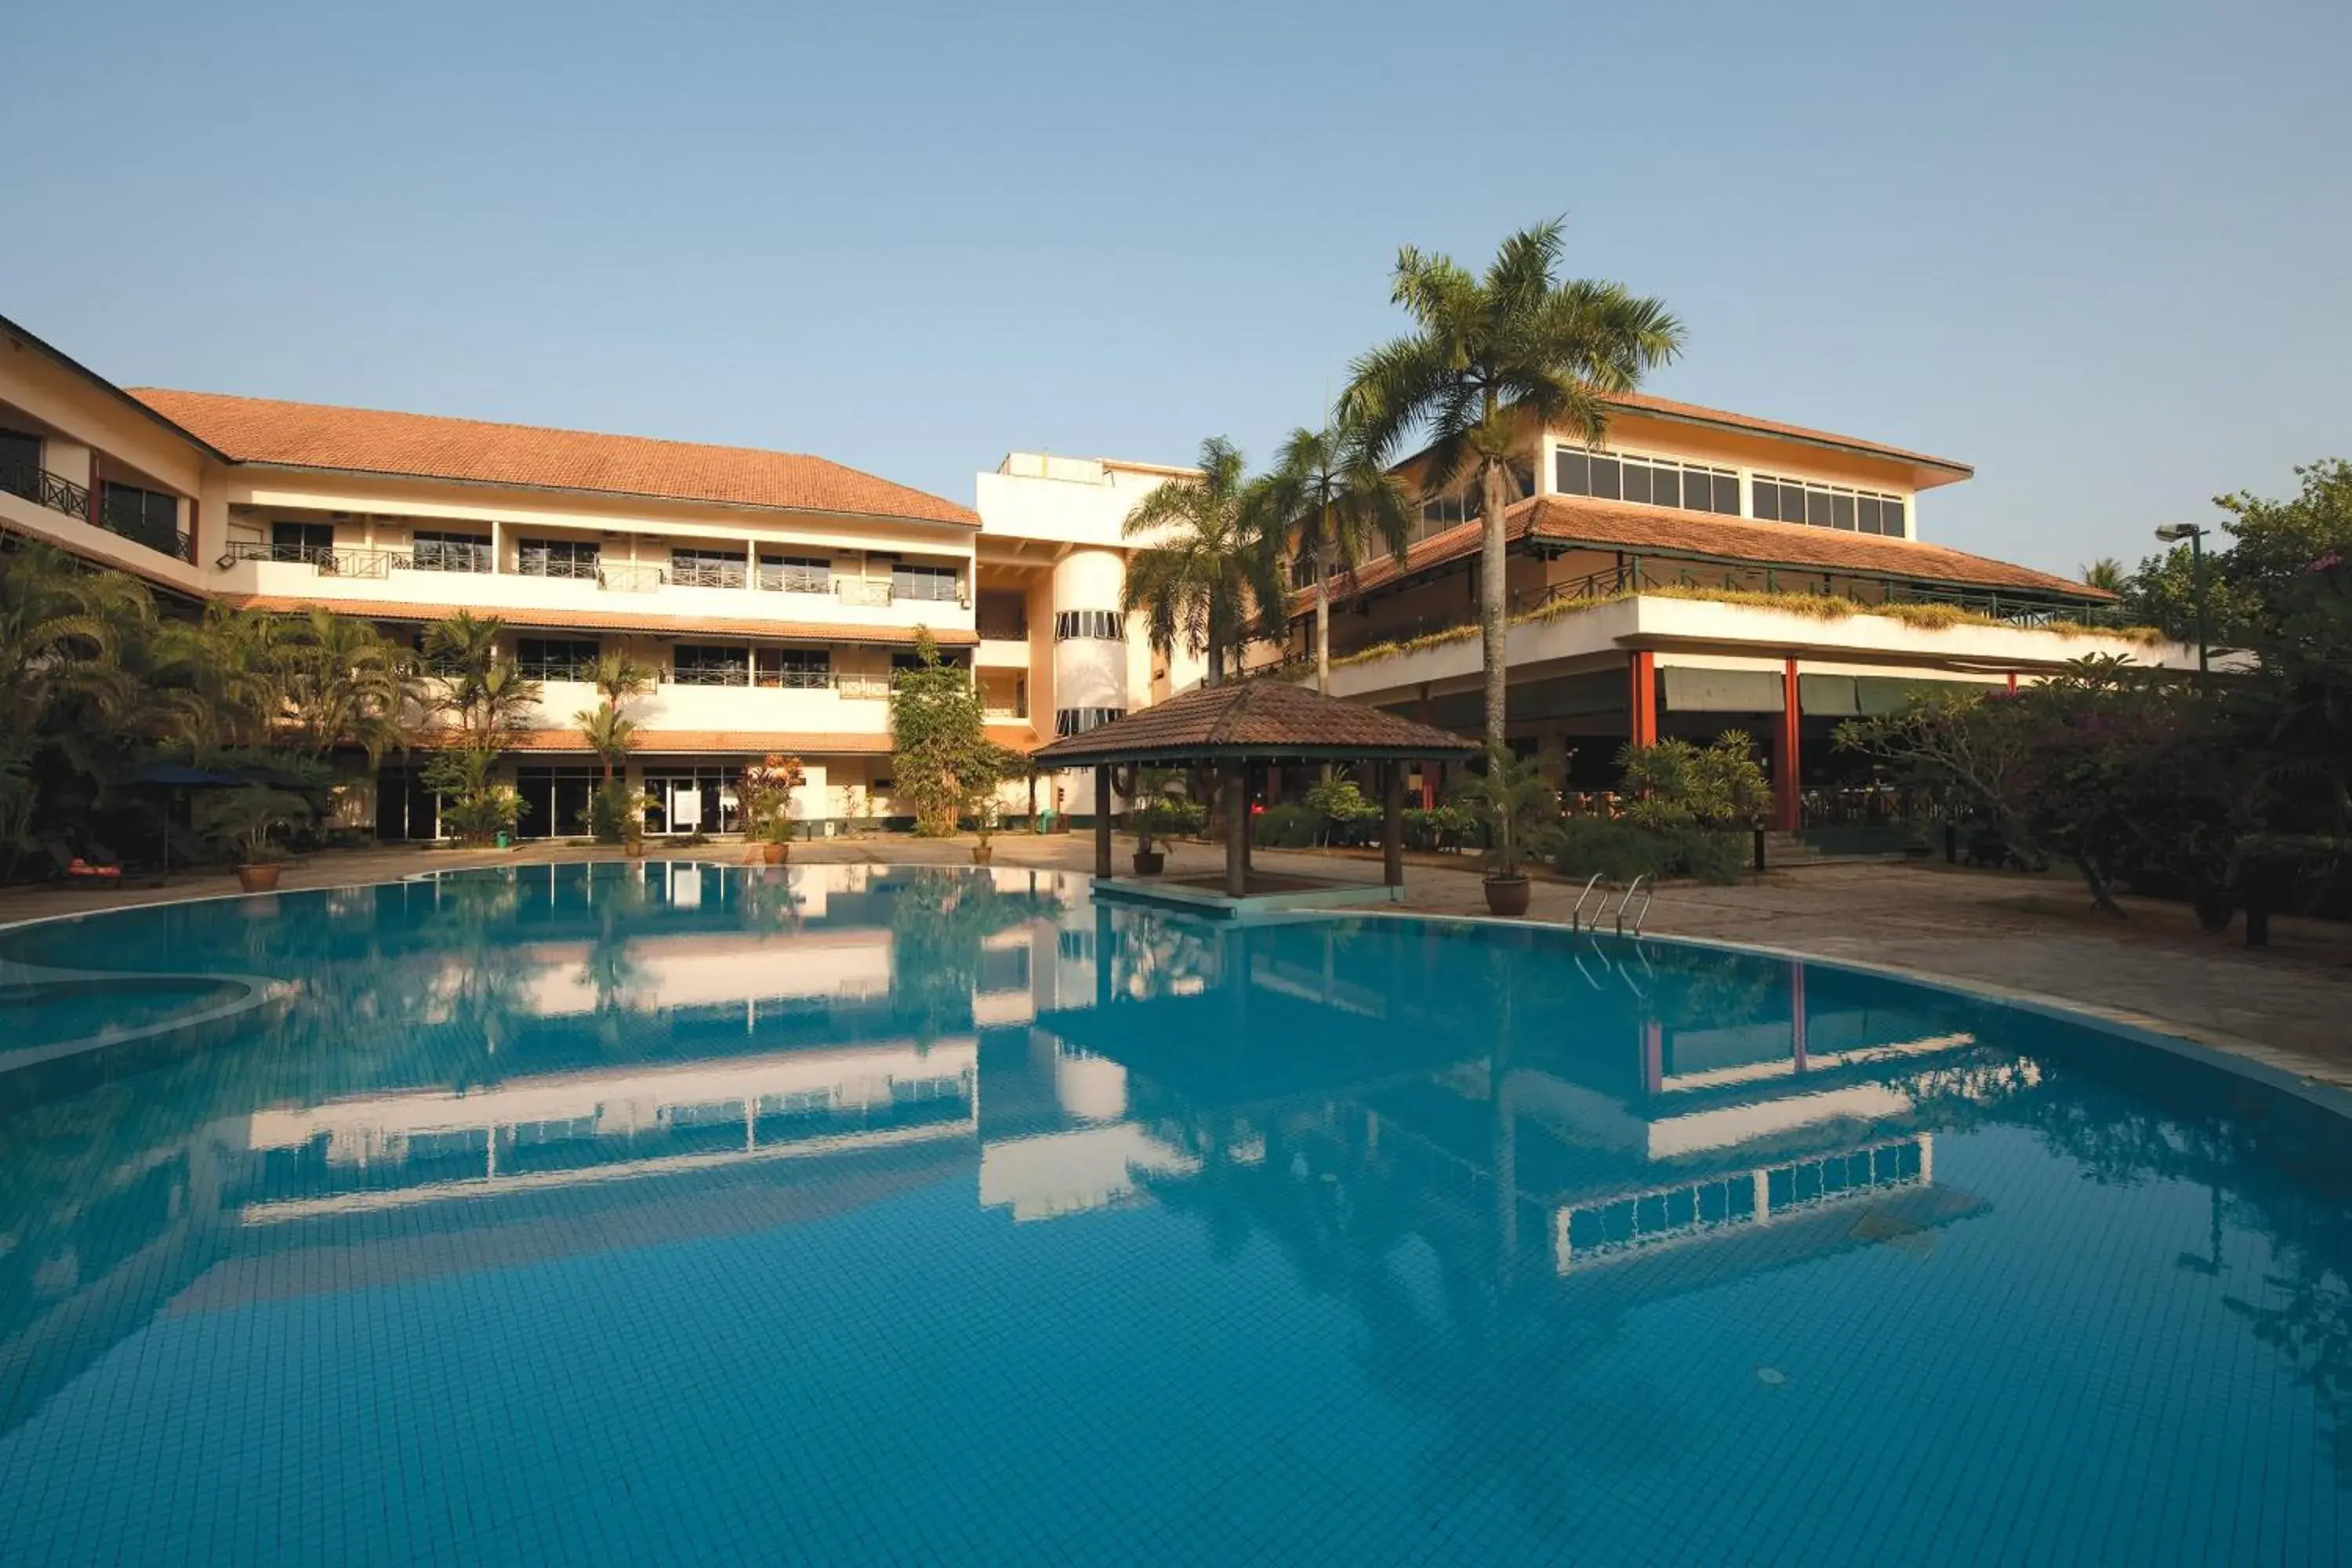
[1102,819]
[1237,827]
[1392,824]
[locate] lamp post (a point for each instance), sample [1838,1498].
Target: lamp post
[2173,533]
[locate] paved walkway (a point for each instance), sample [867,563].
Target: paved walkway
[2290,1006]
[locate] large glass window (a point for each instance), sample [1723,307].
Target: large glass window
[695,664]
[555,658]
[150,516]
[311,542]
[706,569]
[1654,481]
[803,667]
[438,550]
[1097,625]
[1078,721]
[923,582]
[796,574]
[557,558]
[1778,499]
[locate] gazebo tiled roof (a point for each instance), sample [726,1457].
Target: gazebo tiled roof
[1261,721]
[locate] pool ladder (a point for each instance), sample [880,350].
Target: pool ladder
[1576,915]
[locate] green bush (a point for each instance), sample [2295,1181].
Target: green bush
[609,810]
[1285,827]
[1622,850]
[1444,828]
[1618,850]
[1712,856]
[1345,815]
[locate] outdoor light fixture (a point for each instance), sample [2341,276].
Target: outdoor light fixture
[2173,533]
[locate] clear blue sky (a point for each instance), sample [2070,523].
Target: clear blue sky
[2100,251]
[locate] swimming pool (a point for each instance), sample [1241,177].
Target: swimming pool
[672,1212]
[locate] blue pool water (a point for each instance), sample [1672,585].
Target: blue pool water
[671,1213]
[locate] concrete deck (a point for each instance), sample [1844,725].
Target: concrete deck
[2289,1006]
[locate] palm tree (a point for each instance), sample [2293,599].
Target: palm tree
[619,677]
[1209,570]
[1330,495]
[344,683]
[610,732]
[1488,357]
[2108,573]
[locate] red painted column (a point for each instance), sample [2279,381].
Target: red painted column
[2012,683]
[1788,803]
[1643,697]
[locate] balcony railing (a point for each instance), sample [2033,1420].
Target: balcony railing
[627,579]
[42,487]
[329,561]
[577,570]
[998,629]
[940,590]
[439,555]
[860,590]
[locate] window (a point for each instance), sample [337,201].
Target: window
[692,665]
[557,558]
[311,542]
[801,668]
[796,574]
[1095,625]
[706,569]
[1654,481]
[150,516]
[1827,506]
[1439,513]
[554,658]
[20,464]
[923,583]
[439,552]
[1078,721]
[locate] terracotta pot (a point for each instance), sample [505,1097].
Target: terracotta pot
[776,853]
[259,878]
[1149,862]
[1507,895]
[981,854]
[634,848]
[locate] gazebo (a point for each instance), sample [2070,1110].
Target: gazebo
[1232,727]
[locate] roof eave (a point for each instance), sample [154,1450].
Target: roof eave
[12,329]
[274,464]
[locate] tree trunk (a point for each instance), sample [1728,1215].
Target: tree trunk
[2102,897]
[1493,616]
[1216,676]
[1323,630]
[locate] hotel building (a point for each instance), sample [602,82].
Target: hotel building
[776,593]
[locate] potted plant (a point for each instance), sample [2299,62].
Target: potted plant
[1151,791]
[247,819]
[978,775]
[764,796]
[1520,811]
[633,825]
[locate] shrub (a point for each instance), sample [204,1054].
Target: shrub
[1285,827]
[1343,811]
[1618,850]
[1712,856]
[1444,828]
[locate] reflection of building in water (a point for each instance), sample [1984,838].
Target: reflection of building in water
[1600,1126]
[392,1151]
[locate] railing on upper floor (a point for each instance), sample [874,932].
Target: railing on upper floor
[42,487]
[862,591]
[1637,573]
[329,561]
[1002,628]
[622,577]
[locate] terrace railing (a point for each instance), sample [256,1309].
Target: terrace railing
[42,487]
[624,578]
[329,561]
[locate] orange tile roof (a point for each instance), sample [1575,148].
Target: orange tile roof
[745,742]
[429,446]
[1666,408]
[612,621]
[1632,528]
[1254,718]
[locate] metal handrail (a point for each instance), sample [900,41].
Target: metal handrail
[327,560]
[42,487]
[1631,889]
[1574,914]
[624,577]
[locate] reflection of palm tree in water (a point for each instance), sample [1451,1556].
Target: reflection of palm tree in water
[940,918]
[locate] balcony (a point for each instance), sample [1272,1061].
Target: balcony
[834,705]
[56,493]
[464,577]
